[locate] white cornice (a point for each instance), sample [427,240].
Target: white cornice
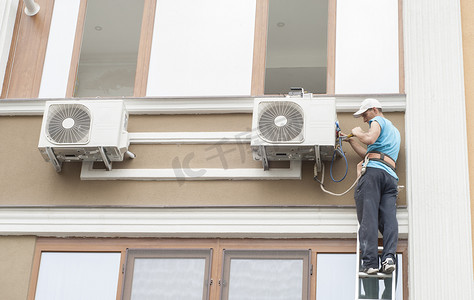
[211,105]
[267,222]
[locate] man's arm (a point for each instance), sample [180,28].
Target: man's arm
[367,138]
[370,136]
[358,148]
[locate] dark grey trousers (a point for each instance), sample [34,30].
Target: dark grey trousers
[375,197]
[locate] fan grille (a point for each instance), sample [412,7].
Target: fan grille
[280,121]
[68,124]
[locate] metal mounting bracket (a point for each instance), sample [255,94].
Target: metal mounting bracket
[317,158]
[53,159]
[263,153]
[107,162]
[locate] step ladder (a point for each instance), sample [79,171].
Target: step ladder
[372,279]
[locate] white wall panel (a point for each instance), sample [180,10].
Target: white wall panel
[367,47]
[440,244]
[202,48]
[78,275]
[59,50]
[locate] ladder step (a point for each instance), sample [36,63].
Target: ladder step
[379,248]
[378,275]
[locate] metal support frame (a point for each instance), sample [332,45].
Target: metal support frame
[263,153]
[53,159]
[105,159]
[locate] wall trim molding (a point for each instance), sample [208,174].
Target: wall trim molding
[242,222]
[211,105]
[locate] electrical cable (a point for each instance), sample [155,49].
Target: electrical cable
[339,150]
[335,194]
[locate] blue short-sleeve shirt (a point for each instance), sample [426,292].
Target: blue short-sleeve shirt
[388,142]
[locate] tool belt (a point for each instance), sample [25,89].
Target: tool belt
[383,158]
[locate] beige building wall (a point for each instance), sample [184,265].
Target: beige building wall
[26,179]
[16,263]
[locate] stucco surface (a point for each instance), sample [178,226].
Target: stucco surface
[26,179]
[15,266]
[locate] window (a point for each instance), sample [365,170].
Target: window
[160,274]
[109,50]
[300,269]
[78,275]
[330,278]
[300,43]
[269,275]
[297,42]
[112,48]
[294,46]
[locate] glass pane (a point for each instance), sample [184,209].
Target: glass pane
[72,275]
[109,49]
[156,278]
[265,279]
[336,270]
[296,46]
[167,274]
[266,274]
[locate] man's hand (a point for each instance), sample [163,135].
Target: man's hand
[357,131]
[347,138]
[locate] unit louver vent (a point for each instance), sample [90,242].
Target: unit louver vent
[68,124]
[281,122]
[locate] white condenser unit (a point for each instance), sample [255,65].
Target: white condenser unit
[86,130]
[285,129]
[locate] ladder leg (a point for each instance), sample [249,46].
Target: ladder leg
[357,285]
[394,279]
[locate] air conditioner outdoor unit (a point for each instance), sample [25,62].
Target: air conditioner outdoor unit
[285,129]
[86,130]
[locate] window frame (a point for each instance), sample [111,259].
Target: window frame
[98,244]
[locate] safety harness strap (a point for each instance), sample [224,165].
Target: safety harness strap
[383,158]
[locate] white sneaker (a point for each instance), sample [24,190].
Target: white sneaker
[370,271]
[388,265]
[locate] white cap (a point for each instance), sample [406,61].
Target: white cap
[367,104]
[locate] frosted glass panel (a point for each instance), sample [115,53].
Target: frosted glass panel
[77,276]
[57,61]
[202,48]
[155,278]
[336,270]
[265,279]
[367,49]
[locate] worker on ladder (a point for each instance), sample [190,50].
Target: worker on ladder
[376,192]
